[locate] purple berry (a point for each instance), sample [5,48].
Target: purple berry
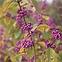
[56,34]
[24,43]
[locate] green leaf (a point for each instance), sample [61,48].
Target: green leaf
[17,34]
[58,42]
[1,2]
[60,57]
[51,55]
[46,35]
[4,7]
[13,8]
[30,52]
[15,57]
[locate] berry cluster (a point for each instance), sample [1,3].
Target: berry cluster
[24,43]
